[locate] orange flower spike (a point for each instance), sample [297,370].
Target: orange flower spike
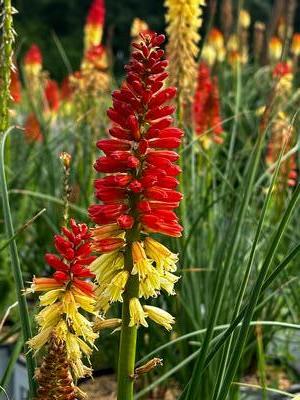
[33,129]
[275,48]
[295,47]
[15,85]
[216,39]
[93,29]
[52,95]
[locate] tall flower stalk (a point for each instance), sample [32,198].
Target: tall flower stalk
[138,197]
[184,19]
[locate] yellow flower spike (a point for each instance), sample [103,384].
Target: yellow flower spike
[184,19]
[165,260]
[116,287]
[137,314]
[245,19]
[160,316]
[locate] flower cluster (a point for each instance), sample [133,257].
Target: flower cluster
[65,294]
[206,108]
[184,18]
[139,191]
[93,29]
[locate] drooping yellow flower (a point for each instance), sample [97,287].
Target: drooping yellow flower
[184,19]
[167,282]
[160,316]
[116,287]
[137,314]
[165,260]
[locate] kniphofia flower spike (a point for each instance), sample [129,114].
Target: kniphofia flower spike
[138,196]
[65,295]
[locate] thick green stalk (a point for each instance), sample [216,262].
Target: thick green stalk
[23,310]
[127,349]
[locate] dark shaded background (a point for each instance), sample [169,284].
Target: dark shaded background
[39,20]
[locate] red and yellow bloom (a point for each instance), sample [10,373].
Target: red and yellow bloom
[138,191]
[65,294]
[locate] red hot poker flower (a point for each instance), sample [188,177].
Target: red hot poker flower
[206,106]
[281,69]
[52,95]
[139,155]
[96,13]
[71,266]
[15,85]
[93,29]
[32,129]
[33,55]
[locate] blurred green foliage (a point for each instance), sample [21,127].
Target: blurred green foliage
[39,20]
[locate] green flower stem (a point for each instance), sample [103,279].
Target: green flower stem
[23,310]
[127,349]
[6,31]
